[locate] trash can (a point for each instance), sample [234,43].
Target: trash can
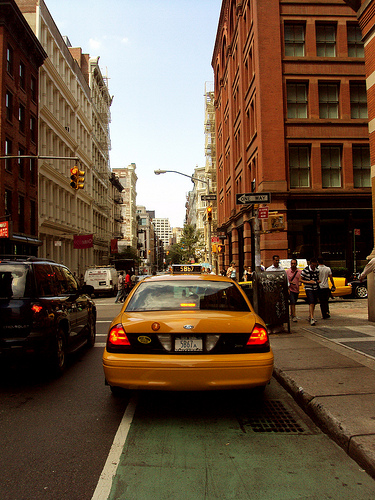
[271,298]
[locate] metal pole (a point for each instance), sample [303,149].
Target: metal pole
[256,238]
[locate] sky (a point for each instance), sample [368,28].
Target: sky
[157,55]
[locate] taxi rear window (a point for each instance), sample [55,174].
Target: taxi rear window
[187,295]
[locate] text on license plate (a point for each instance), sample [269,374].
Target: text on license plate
[188,344]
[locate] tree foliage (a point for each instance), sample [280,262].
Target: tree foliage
[189,243]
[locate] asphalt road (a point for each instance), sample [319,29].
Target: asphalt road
[55,436]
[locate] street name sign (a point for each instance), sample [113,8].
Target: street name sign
[207,197]
[244,198]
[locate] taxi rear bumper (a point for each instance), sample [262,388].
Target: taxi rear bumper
[188,372]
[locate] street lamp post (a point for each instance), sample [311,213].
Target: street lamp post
[158,172]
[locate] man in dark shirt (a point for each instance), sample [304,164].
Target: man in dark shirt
[310,279]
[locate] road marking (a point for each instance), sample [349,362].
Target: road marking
[100,344]
[103,488]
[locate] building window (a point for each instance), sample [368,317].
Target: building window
[358,100]
[32,171]
[22,118]
[21,163]
[8,202]
[294,36]
[10,60]
[325,40]
[331,166]
[299,166]
[21,214]
[328,100]
[33,89]
[355,45]
[22,76]
[8,152]
[33,129]
[9,105]
[297,100]
[33,217]
[361,166]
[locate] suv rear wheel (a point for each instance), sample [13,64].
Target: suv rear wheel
[58,354]
[92,331]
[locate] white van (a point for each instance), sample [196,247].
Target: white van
[103,279]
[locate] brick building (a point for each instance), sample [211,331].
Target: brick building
[21,55]
[291,120]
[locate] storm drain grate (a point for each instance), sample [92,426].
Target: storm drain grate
[272,416]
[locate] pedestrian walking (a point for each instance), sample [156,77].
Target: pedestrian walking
[128,285]
[247,274]
[120,289]
[294,276]
[325,274]
[310,279]
[275,264]
[231,271]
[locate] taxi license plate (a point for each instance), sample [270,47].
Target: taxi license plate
[187,344]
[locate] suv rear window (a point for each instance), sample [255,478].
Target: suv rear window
[13,281]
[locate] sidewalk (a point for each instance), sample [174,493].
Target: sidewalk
[329,369]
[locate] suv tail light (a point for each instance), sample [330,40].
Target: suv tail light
[258,336]
[117,336]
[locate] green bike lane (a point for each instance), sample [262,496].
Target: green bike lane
[230,445]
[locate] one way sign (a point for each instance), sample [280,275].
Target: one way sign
[244,198]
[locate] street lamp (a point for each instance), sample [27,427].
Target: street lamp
[158,172]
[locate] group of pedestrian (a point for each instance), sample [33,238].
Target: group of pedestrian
[123,287]
[315,278]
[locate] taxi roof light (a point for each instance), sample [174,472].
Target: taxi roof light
[117,336]
[258,336]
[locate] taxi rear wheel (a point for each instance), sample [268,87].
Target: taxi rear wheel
[118,391]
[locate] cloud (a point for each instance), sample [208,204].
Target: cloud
[95,44]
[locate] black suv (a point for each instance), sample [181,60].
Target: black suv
[43,310]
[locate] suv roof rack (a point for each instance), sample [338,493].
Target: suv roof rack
[29,258]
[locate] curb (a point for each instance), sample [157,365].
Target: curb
[328,423]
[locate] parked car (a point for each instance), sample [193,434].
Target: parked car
[359,288]
[103,279]
[43,311]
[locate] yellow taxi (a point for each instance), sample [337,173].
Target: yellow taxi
[342,288]
[187,332]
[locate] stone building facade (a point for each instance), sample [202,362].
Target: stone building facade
[73,123]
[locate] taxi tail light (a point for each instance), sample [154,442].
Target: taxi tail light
[258,336]
[117,336]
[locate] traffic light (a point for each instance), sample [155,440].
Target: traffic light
[77,178]
[220,249]
[80,179]
[74,177]
[209,214]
